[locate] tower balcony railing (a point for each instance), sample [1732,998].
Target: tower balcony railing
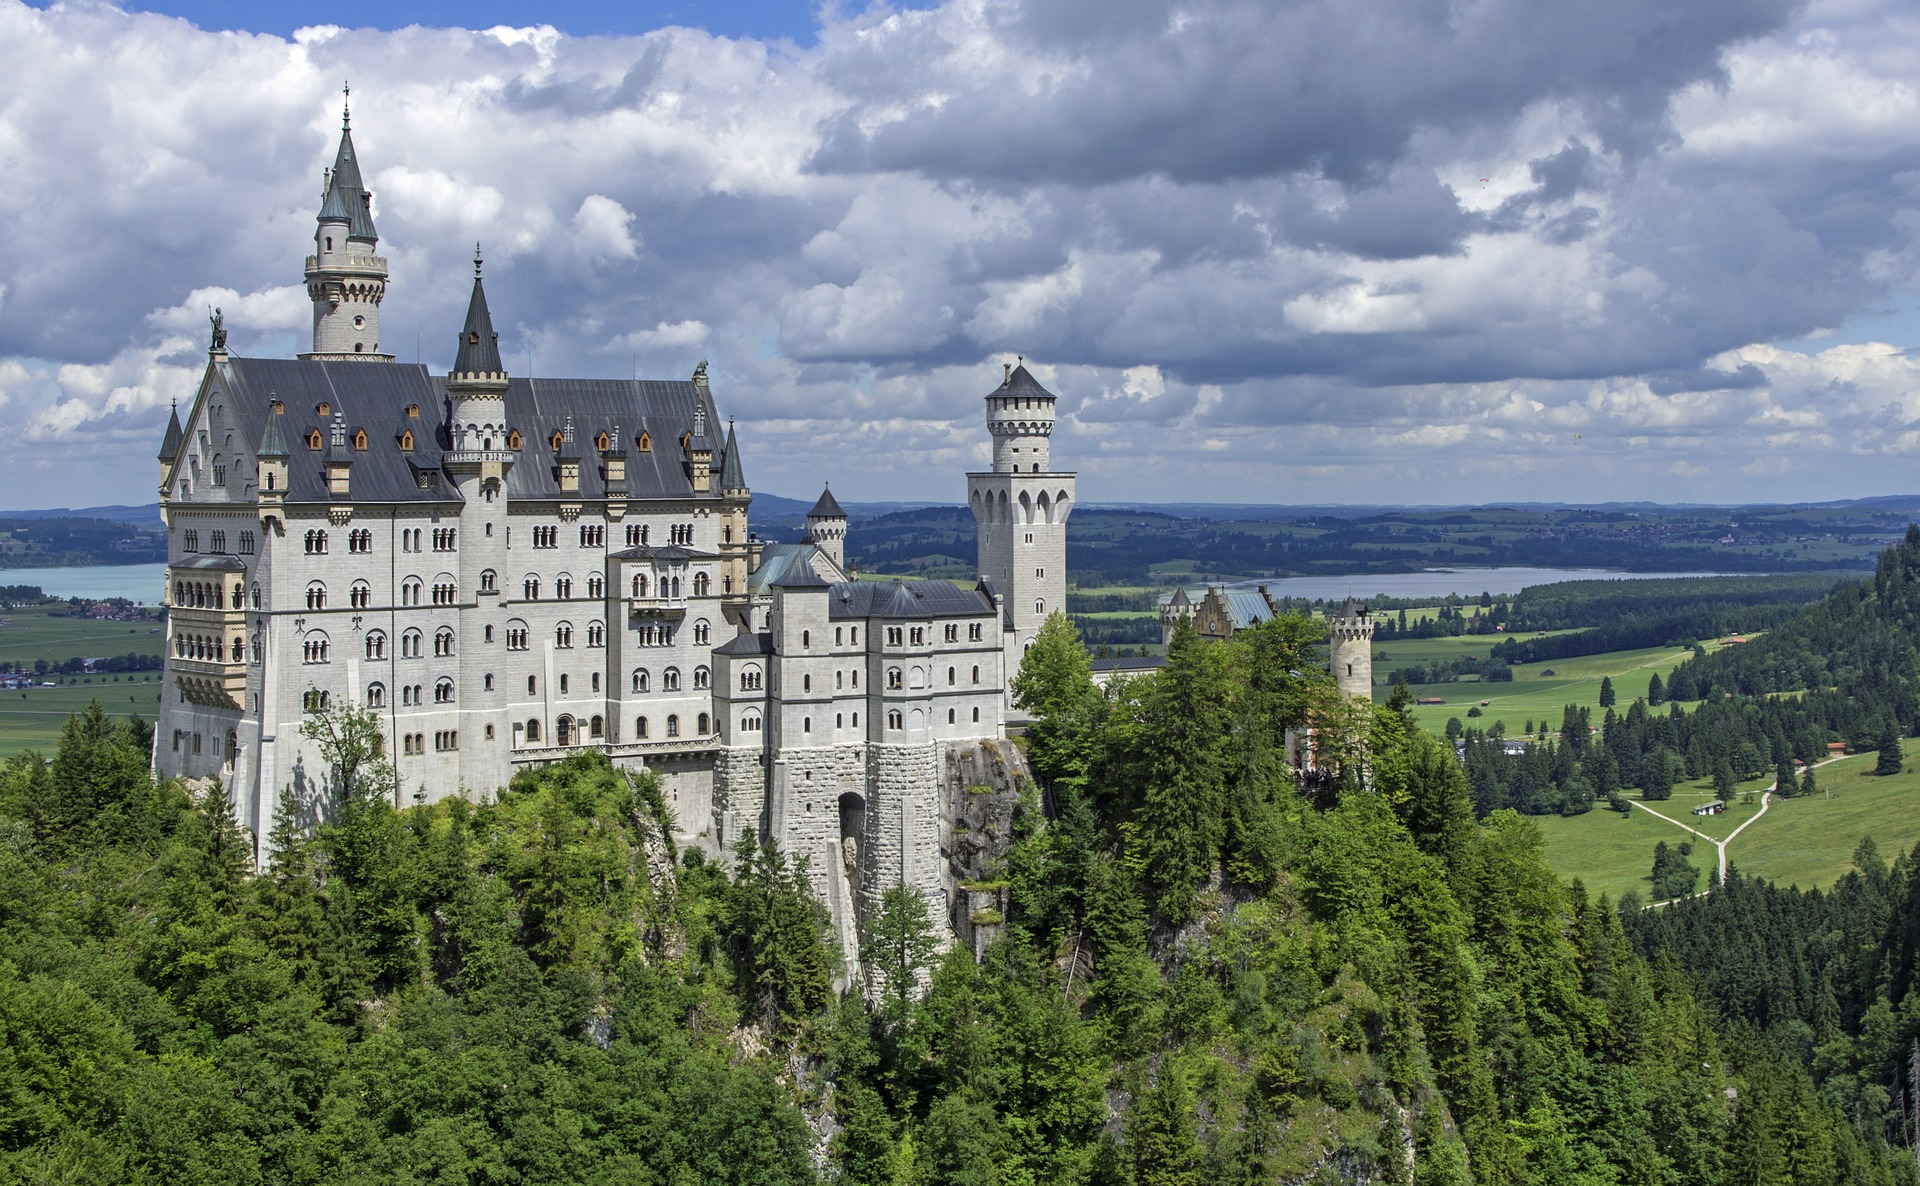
[206,618]
[479,456]
[356,262]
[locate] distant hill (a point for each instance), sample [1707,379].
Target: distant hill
[140,516]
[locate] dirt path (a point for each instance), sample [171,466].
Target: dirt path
[1766,800]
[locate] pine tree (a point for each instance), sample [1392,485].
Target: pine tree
[1807,787]
[1606,691]
[1892,757]
[1656,692]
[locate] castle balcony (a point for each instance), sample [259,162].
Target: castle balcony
[672,608]
[355,263]
[479,457]
[540,755]
[183,618]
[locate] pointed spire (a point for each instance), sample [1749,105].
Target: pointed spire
[479,346]
[732,477]
[170,447]
[273,442]
[347,199]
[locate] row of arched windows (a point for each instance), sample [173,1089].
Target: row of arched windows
[669,679]
[208,648]
[205,595]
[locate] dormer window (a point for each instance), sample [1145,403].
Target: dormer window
[323,410]
[413,411]
[360,440]
[314,440]
[557,440]
[513,440]
[644,442]
[603,442]
[473,339]
[277,406]
[406,441]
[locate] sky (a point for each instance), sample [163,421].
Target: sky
[1326,251]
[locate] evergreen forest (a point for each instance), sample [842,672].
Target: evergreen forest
[1209,969]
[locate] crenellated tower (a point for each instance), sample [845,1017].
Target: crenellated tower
[346,281]
[1020,509]
[1350,649]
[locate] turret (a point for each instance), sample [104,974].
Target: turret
[339,462]
[827,529]
[697,447]
[346,281]
[1020,418]
[271,460]
[1350,649]
[477,393]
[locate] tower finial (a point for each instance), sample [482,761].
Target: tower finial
[346,106]
[476,259]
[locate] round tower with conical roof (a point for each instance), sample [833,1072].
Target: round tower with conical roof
[1020,510]
[346,280]
[827,529]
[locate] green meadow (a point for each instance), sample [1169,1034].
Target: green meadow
[32,719]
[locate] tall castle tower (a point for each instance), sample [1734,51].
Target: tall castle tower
[345,279]
[1350,649]
[827,528]
[1021,510]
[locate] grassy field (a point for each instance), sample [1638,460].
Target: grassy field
[36,634]
[1805,842]
[32,720]
[1533,693]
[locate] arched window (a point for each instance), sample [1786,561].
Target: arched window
[217,542]
[673,725]
[530,588]
[893,719]
[596,634]
[670,680]
[513,440]
[700,677]
[376,644]
[597,727]
[639,679]
[1040,606]
[701,632]
[316,595]
[360,596]
[750,722]
[533,729]
[640,584]
[488,580]
[563,587]
[596,586]
[976,675]
[563,635]
[313,648]
[443,642]
[950,718]
[749,679]
[894,678]
[701,583]
[443,691]
[376,695]
[640,728]
[706,723]
[410,644]
[950,677]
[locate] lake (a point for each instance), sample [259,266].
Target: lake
[1468,582]
[140,583]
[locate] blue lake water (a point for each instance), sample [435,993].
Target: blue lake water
[140,583]
[1468,582]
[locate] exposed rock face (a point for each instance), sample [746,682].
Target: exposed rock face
[984,795]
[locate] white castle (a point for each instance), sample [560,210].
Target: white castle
[509,571]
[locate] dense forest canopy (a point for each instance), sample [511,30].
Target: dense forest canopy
[1212,969]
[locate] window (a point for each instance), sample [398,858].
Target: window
[533,728]
[976,675]
[217,543]
[973,632]
[1040,573]
[919,636]
[806,639]
[639,679]
[360,596]
[976,716]
[750,722]
[953,632]
[246,543]
[701,677]
[640,584]
[893,636]
[673,725]
[644,442]
[530,589]
[443,691]
[316,543]
[563,635]
[410,591]
[950,677]
[563,588]
[488,581]
[701,583]
[313,700]
[359,540]
[670,680]
[443,642]
[410,644]
[313,649]
[806,724]
[854,636]
[592,535]
[443,539]
[640,728]
[950,716]
[1040,606]
[513,442]
[316,595]
[894,679]
[533,684]
[596,681]
[446,739]
[596,634]
[486,684]
[596,587]
[750,679]
[597,727]
[806,683]
[893,719]
[376,644]
[516,636]
[636,535]
[706,724]
[546,537]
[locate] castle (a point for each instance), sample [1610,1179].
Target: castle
[509,570]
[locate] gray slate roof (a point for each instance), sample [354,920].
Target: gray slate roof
[1246,607]
[347,194]
[906,599]
[827,507]
[1022,382]
[776,561]
[170,445]
[732,475]
[377,395]
[746,644]
[273,442]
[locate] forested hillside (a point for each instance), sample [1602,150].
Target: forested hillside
[1209,973]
